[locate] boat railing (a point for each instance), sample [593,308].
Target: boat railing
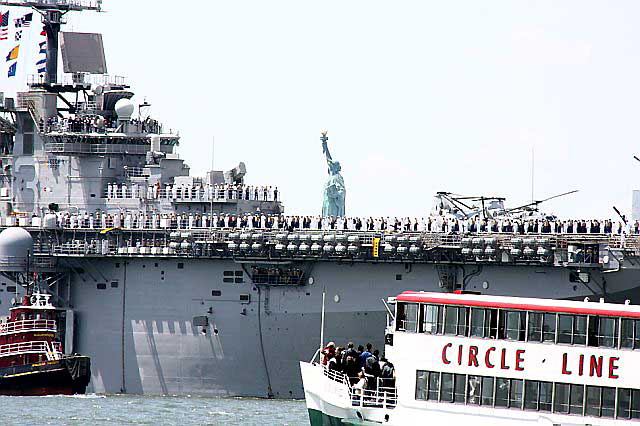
[377,395]
[24,348]
[28,326]
[336,376]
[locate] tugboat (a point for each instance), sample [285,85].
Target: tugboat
[32,362]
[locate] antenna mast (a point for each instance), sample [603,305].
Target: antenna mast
[52,12]
[533,168]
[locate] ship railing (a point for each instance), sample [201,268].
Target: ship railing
[380,397]
[92,148]
[378,394]
[335,375]
[28,326]
[78,79]
[56,350]
[24,348]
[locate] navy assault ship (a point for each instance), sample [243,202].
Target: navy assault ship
[199,285]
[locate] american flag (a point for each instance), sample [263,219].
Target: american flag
[4,25]
[25,21]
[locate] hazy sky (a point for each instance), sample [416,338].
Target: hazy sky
[418,96]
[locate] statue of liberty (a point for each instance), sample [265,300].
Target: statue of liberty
[334,190]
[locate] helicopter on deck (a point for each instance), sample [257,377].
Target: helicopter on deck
[488,207]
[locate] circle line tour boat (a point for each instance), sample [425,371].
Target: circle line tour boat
[32,361]
[492,360]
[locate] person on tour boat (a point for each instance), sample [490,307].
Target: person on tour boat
[328,352]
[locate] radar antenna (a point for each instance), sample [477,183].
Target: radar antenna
[52,12]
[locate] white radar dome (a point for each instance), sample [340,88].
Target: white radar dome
[124,109]
[15,245]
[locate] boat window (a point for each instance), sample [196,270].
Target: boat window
[607,332]
[636,335]
[515,393]
[608,402]
[628,403]
[502,392]
[531,394]
[473,390]
[549,327]
[626,333]
[546,396]
[451,320]
[484,322]
[565,329]
[535,327]
[434,385]
[401,315]
[561,400]
[603,332]
[576,399]
[447,388]
[491,321]
[411,317]
[594,393]
[459,387]
[463,321]
[515,325]
[431,319]
[422,384]
[624,404]
[580,330]
[456,321]
[477,322]
[487,391]
[635,404]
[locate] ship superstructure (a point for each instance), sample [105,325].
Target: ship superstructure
[200,285]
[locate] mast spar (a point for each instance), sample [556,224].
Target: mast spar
[52,12]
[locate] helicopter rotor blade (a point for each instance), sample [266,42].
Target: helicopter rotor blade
[537,202]
[557,196]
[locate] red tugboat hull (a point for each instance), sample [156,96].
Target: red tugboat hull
[67,376]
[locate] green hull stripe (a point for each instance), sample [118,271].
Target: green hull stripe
[318,418]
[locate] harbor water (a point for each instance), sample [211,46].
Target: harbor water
[97,410]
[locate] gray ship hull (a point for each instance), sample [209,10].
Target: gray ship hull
[136,317]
